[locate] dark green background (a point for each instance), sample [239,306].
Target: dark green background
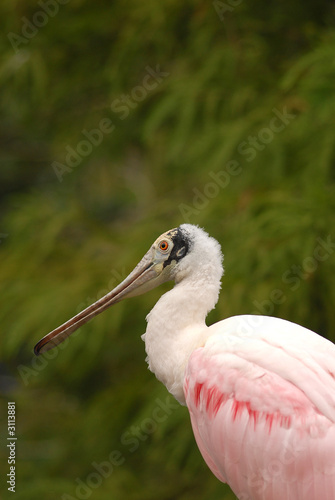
[201,145]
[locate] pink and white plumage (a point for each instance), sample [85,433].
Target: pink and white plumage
[260,390]
[263,409]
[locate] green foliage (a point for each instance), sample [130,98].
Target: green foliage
[234,133]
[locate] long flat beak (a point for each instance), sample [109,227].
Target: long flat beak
[144,277]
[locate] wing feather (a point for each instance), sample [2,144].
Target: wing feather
[263,408]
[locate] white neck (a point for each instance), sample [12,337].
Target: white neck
[176,326]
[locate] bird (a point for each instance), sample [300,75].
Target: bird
[260,390]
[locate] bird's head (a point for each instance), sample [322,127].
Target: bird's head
[159,264]
[173,256]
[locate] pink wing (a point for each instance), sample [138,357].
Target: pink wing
[263,411]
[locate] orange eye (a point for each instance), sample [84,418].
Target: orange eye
[163,245]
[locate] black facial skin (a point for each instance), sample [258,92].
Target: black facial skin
[181,245]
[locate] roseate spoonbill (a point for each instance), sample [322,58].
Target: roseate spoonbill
[260,390]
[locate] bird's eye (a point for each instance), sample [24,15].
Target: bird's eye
[163,245]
